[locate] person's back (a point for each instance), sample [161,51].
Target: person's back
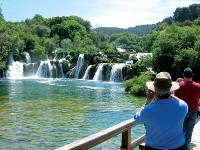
[163,122]
[164,118]
[189,91]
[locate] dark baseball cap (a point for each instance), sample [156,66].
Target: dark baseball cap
[187,72]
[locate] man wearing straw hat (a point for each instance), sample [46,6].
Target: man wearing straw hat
[163,119]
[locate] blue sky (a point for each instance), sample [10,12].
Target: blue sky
[110,13]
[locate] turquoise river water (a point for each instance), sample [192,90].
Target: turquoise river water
[45,114]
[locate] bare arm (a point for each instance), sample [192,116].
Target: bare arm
[150,96]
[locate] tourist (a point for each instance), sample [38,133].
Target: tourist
[163,118]
[179,79]
[189,91]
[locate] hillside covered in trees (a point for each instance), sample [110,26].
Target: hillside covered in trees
[139,30]
[175,43]
[68,36]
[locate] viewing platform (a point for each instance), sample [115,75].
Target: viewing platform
[195,144]
[123,128]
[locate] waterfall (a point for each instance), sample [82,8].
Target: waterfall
[98,73]
[4,74]
[53,71]
[86,75]
[29,69]
[79,65]
[27,57]
[44,69]
[61,70]
[131,55]
[61,66]
[116,72]
[10,59]
[50,69]
[15,69]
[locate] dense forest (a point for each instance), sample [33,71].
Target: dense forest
[139,30]
[68,36]
[175,42]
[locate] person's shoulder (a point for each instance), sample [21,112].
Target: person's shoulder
[183,105]
[147,108]
[196,83]
[179,101]
[181,83]
[182,102]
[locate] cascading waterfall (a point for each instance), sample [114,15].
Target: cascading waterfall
[15,69]
[50,69]
[27,57]
[98,74]
[61,70]
[116,73]
[86,75]
[61,67]
[53,71]
[4,75]
[29,69]
[79,65]
[44,69]
[131,55]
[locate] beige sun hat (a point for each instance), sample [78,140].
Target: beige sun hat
[162,84]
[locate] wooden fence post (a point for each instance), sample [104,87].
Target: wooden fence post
[126,139]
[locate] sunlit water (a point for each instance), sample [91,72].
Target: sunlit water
[46,114]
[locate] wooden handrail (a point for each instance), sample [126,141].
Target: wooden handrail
[137,142]
[124,128]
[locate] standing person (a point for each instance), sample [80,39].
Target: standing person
[163,118]
[189,91]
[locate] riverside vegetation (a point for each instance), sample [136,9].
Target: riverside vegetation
[174,43]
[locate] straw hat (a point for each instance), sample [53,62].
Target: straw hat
[162,84]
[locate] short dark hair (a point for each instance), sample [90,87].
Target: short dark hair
[187,72]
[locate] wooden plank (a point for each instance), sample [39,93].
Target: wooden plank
[99,137]
[142,146]
[137,142]
[126,140]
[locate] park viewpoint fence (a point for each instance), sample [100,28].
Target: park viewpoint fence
[123,128]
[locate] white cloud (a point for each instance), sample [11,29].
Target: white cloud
[128,13]
[118,13]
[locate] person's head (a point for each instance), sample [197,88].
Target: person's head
[187,73]
[162,85]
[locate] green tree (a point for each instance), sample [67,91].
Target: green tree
[39,52]
[182,14]
[163,54]
[42,31]
[137,85]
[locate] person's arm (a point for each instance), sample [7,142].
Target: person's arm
[150,96]
[140,114]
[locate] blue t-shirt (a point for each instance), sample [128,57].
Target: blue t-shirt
[163,121]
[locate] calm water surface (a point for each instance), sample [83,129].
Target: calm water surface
[46,114]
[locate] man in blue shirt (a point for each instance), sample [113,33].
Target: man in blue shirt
[163,119]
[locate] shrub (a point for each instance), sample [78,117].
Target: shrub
[137,85]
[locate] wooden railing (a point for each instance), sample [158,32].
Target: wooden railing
[123,128]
